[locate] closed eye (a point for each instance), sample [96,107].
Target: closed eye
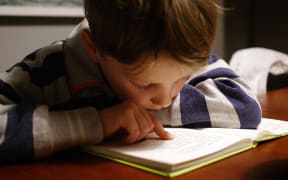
[142,86]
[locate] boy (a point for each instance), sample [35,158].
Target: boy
[141,64]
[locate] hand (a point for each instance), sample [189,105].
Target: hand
[136,122]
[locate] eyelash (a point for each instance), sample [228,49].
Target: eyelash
[143,86]
[150,85]
[140,86]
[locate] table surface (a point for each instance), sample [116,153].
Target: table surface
[268,161]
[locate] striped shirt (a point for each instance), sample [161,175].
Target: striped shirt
[50,101]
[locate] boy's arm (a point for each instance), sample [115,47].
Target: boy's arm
[29,132]
[29,128]
[214,97]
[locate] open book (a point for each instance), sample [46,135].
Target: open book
[190,149]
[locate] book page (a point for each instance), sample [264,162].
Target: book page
[266,129]
[190,148]
[187,145]
[244,133]
[278,127]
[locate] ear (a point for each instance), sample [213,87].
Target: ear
[89,46]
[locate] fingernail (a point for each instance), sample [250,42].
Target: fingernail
[170,135]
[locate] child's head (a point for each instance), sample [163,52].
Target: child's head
[147,49]
[125,29]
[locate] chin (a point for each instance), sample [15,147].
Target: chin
[154,108]
[150,106]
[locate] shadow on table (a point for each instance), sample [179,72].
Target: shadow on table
[276,169]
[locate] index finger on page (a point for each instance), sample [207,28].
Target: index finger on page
[160,131]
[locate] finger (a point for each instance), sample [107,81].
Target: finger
[132,132]
[141,125]
[145,125]
[159,130]
[145,122]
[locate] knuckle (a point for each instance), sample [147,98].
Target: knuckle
[131,138]
[135,134]
[131,104]
[130,107]
[150,127]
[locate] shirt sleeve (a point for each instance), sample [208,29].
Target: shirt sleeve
[29,128]
[213,97]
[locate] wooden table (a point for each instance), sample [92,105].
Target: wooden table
[268,161]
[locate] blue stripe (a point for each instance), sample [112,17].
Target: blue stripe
[21,65]
[52,68]
[32,56]
[213,74]
[18,143]
[194,111]
[7,91]
[248,110]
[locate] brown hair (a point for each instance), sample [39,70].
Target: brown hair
[125,29]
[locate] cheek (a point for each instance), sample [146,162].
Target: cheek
[140,97]
[177,88]
[126,91]
[123,92]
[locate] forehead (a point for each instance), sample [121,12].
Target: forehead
[163,64]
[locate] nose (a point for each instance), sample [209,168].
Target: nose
[162,99]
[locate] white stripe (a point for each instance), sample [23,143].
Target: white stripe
[43,139]
[80,121]
[53,131]
[218,64]
[71,126]
[3,125]
[221,110]
[89,126]
[163,116]
[175,112]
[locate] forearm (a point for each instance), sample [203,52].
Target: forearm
[65,129]
[219,103]
[35,132]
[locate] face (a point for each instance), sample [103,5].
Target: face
[154,86]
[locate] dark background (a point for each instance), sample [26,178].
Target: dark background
[257,23]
